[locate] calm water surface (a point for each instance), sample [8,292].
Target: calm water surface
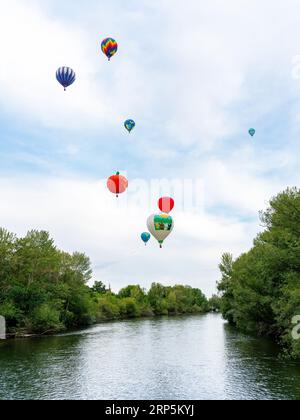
[179,358]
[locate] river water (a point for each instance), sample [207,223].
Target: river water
[184,358]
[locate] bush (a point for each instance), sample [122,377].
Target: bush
[129,308]
[45,319]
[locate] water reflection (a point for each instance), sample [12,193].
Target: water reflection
[179,358]
[258,372]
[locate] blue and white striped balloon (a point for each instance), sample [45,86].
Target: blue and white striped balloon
[65,76]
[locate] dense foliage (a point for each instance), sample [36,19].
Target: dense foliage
[261,289]
[44,290]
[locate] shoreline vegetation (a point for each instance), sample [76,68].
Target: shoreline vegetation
[260,290]
[44,291]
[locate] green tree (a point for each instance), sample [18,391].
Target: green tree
[215,303]
[45,290]
[135,292]
[261,289]
[100,288]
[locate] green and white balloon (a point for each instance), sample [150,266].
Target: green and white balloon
[160,226]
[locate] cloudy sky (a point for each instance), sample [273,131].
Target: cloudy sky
[195,76]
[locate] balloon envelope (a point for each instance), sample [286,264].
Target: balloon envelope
[129,125]
[166,204]
[252,132]
[65,76]
[109,47]
[117,184]
[146,237]
[160,226]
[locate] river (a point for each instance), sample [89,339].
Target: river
[186,358]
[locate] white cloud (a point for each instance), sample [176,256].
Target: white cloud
[195,76]
[83,216]
[33,47]
[185,67]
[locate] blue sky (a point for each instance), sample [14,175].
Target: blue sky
[195,77]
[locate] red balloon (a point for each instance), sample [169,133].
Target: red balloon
[117,184]
[166,204]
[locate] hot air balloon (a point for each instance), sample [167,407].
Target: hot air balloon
[109,47]
[146,237]
[160,226]
[65,76]
[252,132]
[117,184]
[129,125]
[166,204]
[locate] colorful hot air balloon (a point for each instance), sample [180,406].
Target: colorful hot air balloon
[65,76]
[146,237]
[166,204]
[117,184]
[252,132]
[129,125]
[160,226]
[109,47]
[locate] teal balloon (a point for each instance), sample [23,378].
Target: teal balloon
[129,125]
[146,237]
[252,132]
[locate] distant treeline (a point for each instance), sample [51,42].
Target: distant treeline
[261,289]
[44,290]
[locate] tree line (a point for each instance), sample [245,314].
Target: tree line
[260,290]
[44,290]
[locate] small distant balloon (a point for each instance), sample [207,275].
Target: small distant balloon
[166,204]
[146,237]
[65,76]
[129,125]
[109,47]
[117,184]
[160,226]
[252,132]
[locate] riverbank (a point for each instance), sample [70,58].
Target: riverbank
[44,290]
[20,335]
